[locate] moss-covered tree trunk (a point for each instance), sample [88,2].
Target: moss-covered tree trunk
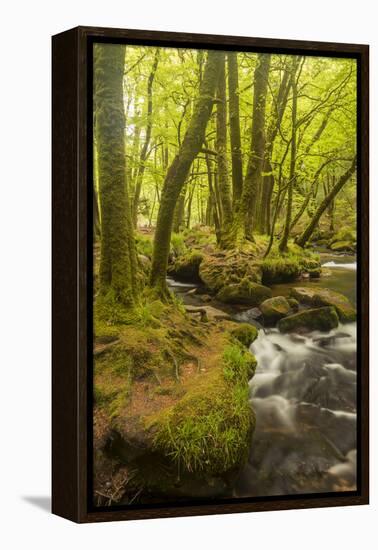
[118,264]
[267,183]
[234,116]
[224,184]
[252,180]
[178,218]
[302,240]
[293,159]
[179,169]
[144,151]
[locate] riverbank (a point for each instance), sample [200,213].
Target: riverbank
[175,407]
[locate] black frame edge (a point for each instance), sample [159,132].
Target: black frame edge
[65,428]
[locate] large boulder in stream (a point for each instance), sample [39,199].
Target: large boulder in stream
[343,246]
[186,267]
[273,309]
[318,297]
[245,292]
[229,267]
[322,319]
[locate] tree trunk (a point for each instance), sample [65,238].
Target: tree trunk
[302,240]
[144,151]
[234,115]
[293,159]
[96,218]
[252,180]
[267,183]
[221,148]
[118,264]
[179,169]
[178,218]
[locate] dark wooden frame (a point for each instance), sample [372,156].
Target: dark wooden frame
[71,330]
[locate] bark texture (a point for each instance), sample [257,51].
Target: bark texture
[118,263]
[179,169]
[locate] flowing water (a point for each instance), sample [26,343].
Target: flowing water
[304,398]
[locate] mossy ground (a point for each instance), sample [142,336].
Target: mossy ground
[176,385]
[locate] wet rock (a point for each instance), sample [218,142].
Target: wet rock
[294,304]
[244,292]
[245,334]
[274,309]
[249,315]
[205,298]
[208,312]
[318,297]
[323,319]
[343,246]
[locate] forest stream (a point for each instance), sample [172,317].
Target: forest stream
[304,398]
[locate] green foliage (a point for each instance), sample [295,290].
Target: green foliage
[144,244]
[239,364]
[178,246]
[284,268]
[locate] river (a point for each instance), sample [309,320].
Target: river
[304,398]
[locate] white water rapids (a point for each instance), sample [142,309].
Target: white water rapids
[304,398]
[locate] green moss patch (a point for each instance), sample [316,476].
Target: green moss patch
[274,309]
[322,319]
[285,268]
[209,429]
[245,334]
[245,292]
[317,297]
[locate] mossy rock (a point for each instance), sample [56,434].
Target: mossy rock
[345,234]
[229,267]
[285,268]
[246,334]
[294,304]
[186,267]
[343,246]
[274,309]
[322,319]
[280,270]
[317,297]
[245,292]
[208,431]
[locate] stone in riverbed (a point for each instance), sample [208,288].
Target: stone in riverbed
[318,297]
[322,319]
[294,304]
[343,246]
[245,333]
[274,309]
[244,292]
[207,312]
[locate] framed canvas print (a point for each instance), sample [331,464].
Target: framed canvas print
[210,274]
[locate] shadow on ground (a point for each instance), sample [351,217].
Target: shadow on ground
[41,502]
